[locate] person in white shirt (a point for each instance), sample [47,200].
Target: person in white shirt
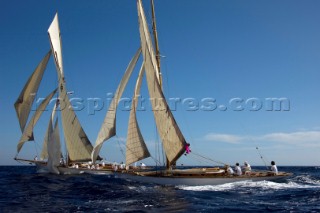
[274,168]
[237,169]
[246,168]
[142,165]
[229,170]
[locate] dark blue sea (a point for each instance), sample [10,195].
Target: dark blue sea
[23,190]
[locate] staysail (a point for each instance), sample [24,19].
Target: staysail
[78,144]
[54,148]
[170,134]
[136,148]
[108,128]
[24,102]
[44,152]
[28,132]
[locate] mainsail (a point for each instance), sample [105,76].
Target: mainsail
[27,95]
[78,144]
[108,128]
[136,148]
[170,134]
[28,132]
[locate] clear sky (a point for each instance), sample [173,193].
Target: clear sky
[227,51]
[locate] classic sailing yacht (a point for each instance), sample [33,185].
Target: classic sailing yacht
[77,143]
[173,141]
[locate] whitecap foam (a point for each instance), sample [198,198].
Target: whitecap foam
[307,179]
[249,184]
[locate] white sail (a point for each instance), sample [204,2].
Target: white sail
[78,145]
[28,94]
[54,148]
[56,47]
[170,134]
[44,152]
[136,148]
[108,128]
[28,132]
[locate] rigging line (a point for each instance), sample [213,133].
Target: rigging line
[196,159]
[262,158]
[118,141]
[219,162]
[125,144]
[204,160]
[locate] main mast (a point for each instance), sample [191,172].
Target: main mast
[156,44]
[155,37]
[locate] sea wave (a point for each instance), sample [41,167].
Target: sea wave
[250,184]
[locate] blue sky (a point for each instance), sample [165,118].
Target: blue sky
[221,50]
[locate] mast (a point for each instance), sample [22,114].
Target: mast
[155,37]
[156,44]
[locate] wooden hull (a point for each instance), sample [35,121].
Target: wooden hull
[42,168]
[193,179]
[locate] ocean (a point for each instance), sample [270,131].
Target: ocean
[23,190]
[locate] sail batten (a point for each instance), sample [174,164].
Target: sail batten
[136,148]
[170,134]
[108,128]
[28,131]
[25,100]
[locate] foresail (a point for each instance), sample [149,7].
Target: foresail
[108,128]
[28,132]
[54,148]
[136,148]
[44,152]
[56,47]
[170,134]
[24,102]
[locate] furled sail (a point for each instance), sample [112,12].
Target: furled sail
[136,148]
[56,47]
[108,128]
[28,132]
[44,152]
[27,95]
[78,145]
[170,134]
[54,148]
